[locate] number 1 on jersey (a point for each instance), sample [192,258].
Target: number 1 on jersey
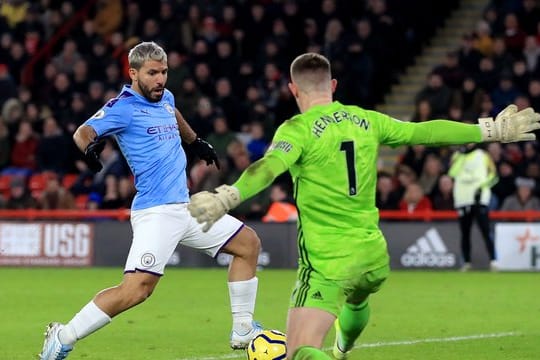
[348,148]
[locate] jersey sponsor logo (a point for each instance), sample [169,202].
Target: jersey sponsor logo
[281,145]
[428,251]
[161,129]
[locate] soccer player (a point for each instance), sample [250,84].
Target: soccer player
[149,129]
[330,149]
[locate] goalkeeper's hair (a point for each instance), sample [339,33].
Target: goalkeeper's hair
[311,71]
[146,51]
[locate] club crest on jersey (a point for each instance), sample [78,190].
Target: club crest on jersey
[169,108]
[99,115]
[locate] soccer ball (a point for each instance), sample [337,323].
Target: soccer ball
[268,345]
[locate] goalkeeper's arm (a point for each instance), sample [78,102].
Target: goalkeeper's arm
[259,175]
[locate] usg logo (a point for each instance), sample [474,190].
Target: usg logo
[428,251]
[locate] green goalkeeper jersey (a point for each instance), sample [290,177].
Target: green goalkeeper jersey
[331,153]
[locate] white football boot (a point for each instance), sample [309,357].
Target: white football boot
[241,341]
[52,348]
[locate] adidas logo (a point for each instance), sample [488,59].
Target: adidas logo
[428,251]
[317,295]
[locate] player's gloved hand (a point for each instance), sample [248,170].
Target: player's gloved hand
[510,125]
[92,154]
[204,151]
[208,207]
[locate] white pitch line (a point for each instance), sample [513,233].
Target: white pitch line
[241,354]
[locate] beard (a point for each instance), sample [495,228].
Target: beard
[150,94]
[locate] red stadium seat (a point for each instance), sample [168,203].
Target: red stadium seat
[5,183]
[68,180]
[81,201]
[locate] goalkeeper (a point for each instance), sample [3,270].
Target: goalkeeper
[330,150]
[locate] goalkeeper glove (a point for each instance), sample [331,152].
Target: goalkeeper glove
[207,207]
[204,151]
[92,155]
[510,125]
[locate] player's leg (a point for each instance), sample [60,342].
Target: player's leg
[313,309]
[231,236]
[306,330]
[155,235]
[465,218]
[354,315]
[482,219]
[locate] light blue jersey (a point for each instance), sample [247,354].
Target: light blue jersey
[148,136]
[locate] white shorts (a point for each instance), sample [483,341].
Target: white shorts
[159,229]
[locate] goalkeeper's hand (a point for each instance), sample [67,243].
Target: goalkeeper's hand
[208,207]
[92,155]
[510,125]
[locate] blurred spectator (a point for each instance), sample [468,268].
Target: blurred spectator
[405,176]
[229,103]
[55,196]
[422,111]
[221,136]
[414,199]
[474,174]
[14,11]
[19,196]
[487,76]
[386,198]
[468,55]
[203,119]
[52,153]
[23,154]
[451,71]
[8,87]
[282,208]
[443,198]
[177,72]
[523,199]
[469,97]
[415,157]
[514,35]
[5,145]
[188,98]
[109,14]
[204,177]
[482,38]
[438,94]
[66,60]
[431,172]
[504,93]
[257,143]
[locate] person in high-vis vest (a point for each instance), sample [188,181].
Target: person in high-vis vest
[474,174]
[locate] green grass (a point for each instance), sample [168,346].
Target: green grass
[416,315]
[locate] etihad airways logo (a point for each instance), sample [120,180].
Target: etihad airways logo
[428,251]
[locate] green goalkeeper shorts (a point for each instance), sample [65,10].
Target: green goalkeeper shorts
[315,291]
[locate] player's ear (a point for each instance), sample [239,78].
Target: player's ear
[133,74]
[333,85]
[293,88]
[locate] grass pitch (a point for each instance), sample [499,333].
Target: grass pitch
[416,315]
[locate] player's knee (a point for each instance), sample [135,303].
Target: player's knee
[253,243]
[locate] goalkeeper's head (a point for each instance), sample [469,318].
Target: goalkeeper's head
[311,80]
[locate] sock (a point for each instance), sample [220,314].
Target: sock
[309,353]
[243,295]
[352,320]
[85,322]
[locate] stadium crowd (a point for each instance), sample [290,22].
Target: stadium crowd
[61,60]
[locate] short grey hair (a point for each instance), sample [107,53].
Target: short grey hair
[146,51]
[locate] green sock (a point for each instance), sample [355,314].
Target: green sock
[352,320]
[310,353]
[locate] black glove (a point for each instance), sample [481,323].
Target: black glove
[204,151]
[92,155]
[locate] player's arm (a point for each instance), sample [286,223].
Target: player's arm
[86,139]
[200,147]
[509,126]
[208,207]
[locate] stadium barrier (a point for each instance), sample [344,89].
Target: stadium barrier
[423,240]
